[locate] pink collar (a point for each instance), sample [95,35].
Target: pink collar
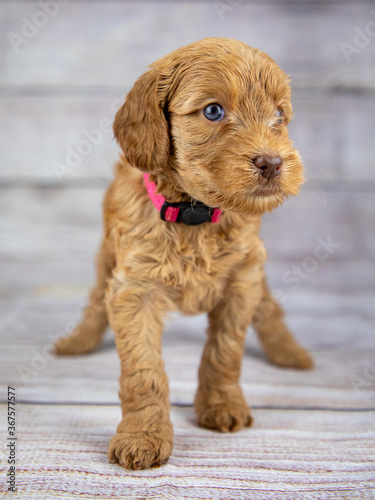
[188,213]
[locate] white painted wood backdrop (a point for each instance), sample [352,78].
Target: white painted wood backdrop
[66,79]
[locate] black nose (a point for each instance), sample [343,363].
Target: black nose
[269,165]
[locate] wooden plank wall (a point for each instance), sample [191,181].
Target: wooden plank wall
[63,75]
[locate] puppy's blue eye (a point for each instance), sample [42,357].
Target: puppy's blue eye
[279,113]
[214,112]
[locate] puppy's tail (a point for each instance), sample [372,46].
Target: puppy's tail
[88,334]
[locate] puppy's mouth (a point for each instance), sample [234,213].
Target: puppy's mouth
[268,189]
[255,199]
[263,192]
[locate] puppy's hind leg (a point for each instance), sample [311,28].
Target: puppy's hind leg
[89,332]
[277,340]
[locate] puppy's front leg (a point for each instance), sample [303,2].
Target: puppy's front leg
[220,403]
[144,437]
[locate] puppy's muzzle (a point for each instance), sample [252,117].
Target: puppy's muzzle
[269,165]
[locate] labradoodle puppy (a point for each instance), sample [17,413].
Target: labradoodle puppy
[205,153]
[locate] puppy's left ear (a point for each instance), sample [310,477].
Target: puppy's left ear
[140,126]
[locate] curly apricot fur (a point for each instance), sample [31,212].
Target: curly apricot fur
[147,267]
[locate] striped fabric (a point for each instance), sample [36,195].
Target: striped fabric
[287,455]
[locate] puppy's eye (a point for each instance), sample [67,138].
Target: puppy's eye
[214,112]
[279,113]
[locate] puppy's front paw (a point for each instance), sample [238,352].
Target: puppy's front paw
[139,450]
[228,415]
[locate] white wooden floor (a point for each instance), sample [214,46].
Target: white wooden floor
[314,432]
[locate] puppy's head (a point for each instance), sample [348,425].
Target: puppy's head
[212,118]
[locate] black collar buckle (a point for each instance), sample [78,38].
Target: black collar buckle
[191,214]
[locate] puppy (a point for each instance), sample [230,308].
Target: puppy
[205,153]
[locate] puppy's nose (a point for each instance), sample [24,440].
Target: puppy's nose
[269,165]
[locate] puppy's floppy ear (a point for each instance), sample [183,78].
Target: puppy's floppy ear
[140,126]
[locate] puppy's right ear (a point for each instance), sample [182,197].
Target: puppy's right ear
[140,126]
